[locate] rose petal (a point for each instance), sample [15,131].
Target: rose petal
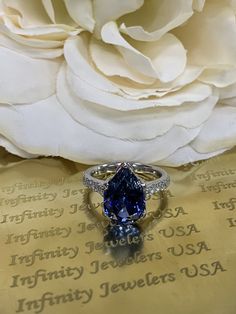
[167,55]
[198,5]
[210,36]
[233,4]
[185,155]
[84,145]
[110,34]
[110,10]
[109,61]
[164,59]
[134,124]
[219,77]
[158,89]
[23,79]
[42,53]
[42,15]
[229,102]
[156,18]
[219,132]
[77,56]
[13,149]
[82,13]
[30,41]
[193,93]
[58,11]
[32,12]
[53,32]
[61,15]
[49,9]
[228,92]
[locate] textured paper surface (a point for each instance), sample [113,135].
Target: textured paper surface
[56,256]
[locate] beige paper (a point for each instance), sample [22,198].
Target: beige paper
[57,255]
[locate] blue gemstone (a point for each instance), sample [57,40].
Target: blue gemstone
[124,199]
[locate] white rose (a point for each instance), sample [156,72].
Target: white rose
[96,81]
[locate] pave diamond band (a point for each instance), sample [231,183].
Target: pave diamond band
[125,186]
[161,182]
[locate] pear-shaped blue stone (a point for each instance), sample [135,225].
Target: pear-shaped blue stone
[124,199]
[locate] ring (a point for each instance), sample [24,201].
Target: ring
[125,187]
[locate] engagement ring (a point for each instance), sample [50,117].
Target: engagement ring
[125,187]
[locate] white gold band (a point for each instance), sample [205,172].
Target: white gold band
[160,181]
